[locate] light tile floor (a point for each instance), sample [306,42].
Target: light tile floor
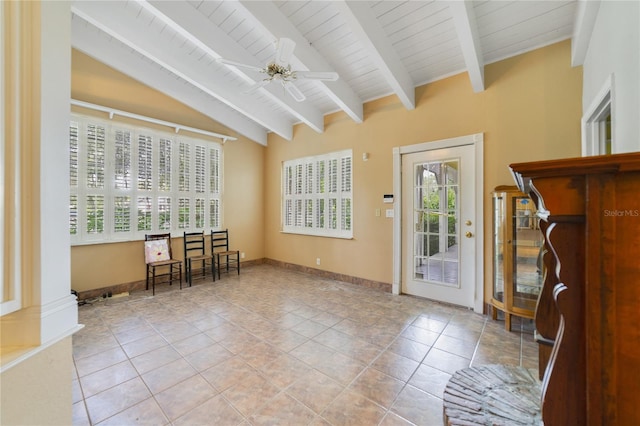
[276,347]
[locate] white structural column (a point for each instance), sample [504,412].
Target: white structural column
[59,314]
[46,312]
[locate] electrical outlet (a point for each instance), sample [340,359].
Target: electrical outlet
[242,255]
[318,261]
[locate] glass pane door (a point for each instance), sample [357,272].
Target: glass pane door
[439,246]
[436,213]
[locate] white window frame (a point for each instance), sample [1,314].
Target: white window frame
[10,158]
[12,154]
[314,186]
[202,184]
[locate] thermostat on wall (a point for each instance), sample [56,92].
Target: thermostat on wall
[388,198]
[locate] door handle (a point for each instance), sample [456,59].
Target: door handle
[468,234]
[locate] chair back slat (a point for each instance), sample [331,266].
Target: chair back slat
[219,240]
[193,244]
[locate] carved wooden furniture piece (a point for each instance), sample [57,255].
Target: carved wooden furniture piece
[517,244]
[589,307]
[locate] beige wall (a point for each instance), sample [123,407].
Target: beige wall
[37,391]
[530,110]
[103,265]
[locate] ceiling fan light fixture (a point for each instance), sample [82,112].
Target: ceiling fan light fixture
[280,69]
[274,70]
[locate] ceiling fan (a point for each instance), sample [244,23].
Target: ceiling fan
[280,69]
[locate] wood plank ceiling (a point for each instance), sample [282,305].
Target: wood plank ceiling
[377,48]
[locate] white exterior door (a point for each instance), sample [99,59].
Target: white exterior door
[438,224]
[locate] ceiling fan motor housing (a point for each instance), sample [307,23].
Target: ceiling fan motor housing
[278,71]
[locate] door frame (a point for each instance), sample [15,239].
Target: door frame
[477,140]
[593,120]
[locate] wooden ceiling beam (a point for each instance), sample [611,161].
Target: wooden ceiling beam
[464,19]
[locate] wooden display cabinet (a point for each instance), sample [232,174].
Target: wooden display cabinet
[589,307]
[517,264]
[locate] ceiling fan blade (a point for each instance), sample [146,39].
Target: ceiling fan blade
[238,64]
[254,88]
[295,93]
[317,75]
[285,51]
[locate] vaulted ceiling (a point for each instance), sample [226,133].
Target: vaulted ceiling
[377,48]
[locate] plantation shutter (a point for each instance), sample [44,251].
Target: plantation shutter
[214,214]
[200,213]
[215,177]
[122,182]
[200,169]
[185,167]
[145,171]
[345,196]
[73,177]
[95,214]
[214,171]
[333,189]
[317,196]
[122,214]
[164,165]
[122,160]
[164,213]
[183,213]
[127,182]
[145,209]
[320,192]
[95,161]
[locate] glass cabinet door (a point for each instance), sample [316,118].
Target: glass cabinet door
[527,257]
[498,244]
[517,257]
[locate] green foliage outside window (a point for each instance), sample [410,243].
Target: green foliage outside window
[432,221]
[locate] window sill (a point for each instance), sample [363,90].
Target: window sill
[11,356]
[308,234]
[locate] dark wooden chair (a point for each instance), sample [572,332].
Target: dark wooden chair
[194,252]
[229,259]
[158,255]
